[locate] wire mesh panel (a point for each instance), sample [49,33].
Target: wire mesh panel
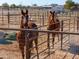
[11,47]
[68,40]
[12,16]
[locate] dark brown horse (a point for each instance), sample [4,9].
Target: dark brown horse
[22,37]
[53,24]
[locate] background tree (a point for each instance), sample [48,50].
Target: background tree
[12,5]
[20,6]
[5,5]
[28,6]
[76,4]
[53,5]
[34,5]
[69,4]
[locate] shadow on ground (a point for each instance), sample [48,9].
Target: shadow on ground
[73,49]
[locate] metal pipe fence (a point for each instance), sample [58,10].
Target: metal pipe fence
[43,41]
[67,25]
[12,16]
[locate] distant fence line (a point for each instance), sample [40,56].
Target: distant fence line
[65,32]
[9,16]
[12,16]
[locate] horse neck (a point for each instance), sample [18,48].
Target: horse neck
[21,25]
[51,20]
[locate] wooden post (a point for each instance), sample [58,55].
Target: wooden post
[48,43]
[61,34]
[8,17]
[2,17]
[43,19]
[70,26]
[77,24]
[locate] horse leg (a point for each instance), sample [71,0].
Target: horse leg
[53,37]
[31,46]
[36,45]
[22,49]
[21,43]
[28,51]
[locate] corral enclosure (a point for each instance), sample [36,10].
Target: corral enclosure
[13,15]
[10,18]
[39,15]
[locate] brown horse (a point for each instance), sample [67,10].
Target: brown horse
[22,35]
[53,24]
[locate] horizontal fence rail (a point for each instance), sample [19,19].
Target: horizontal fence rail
[44,31]
[40,17]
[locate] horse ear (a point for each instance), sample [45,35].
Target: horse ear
[22,12]
[53,12]
[26,11]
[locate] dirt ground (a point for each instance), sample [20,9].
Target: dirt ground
[11,50]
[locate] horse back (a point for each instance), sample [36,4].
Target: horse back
[54,25]
[33,34]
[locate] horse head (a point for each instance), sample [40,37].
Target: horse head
[51,18]
[24,20]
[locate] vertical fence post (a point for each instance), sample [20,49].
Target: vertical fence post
[39,24]
[37,49]
[61,34]
[35,18]
[70,24]
[74,22]
[48,43]
[77,21]
[43,19]
[2,17]
[8,17]
[77,24]
[39,16]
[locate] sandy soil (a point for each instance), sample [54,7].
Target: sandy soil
[10,51]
